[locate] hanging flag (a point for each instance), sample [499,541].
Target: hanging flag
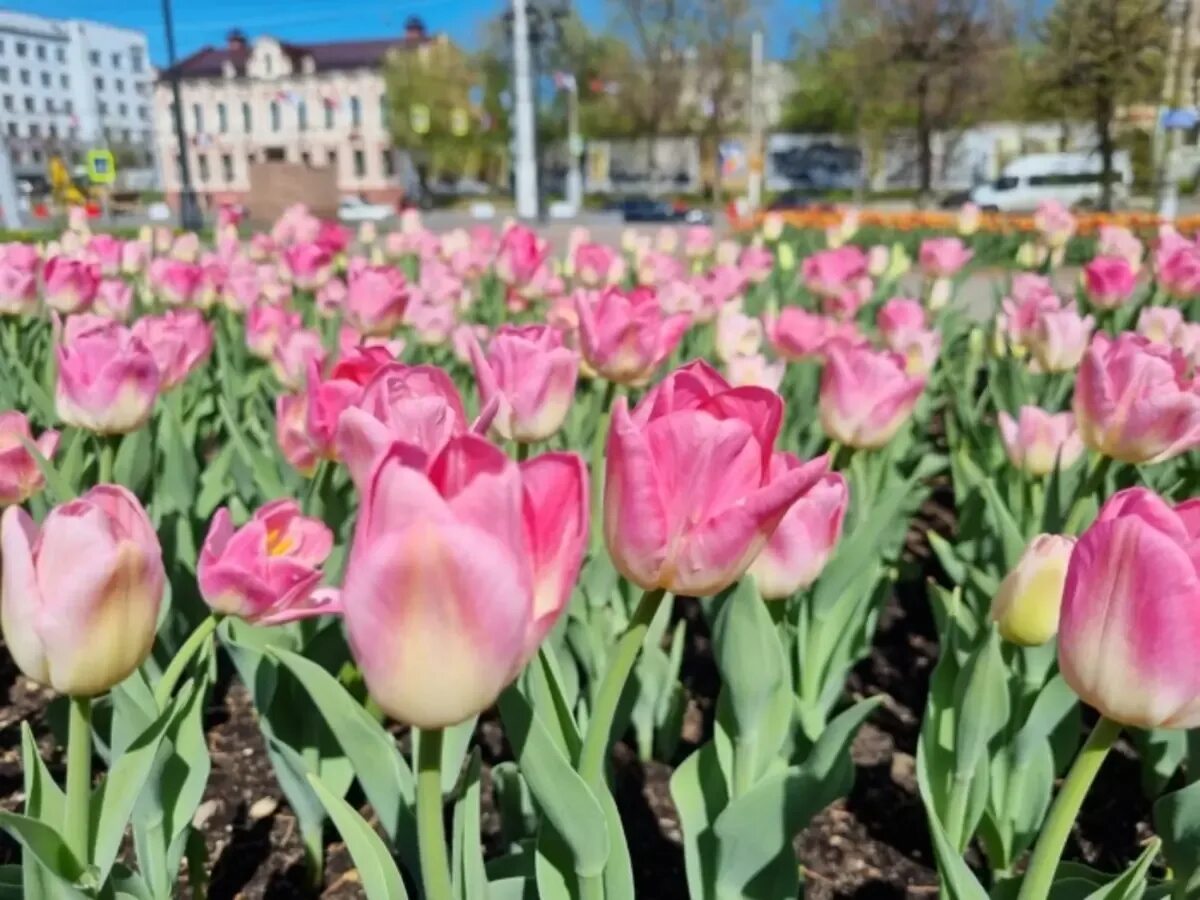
[460,122]
[418,118]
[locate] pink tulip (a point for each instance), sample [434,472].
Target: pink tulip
[827,273]
[179,340]
[530,376]
[597,265]
[175,282]
[266,326]
[375,300]
[349,340]
[690,494]
[719,286]
[737,334]
[69,284]
[866,395]
[1059,338]
[331,298]
[1022,311]
[1186,339]
[464,337]
[1109,281]
[1177,266]
[114,299]
[943,257]
[20,477]
[432,322]
[756,264]
[807,534]
[360,362]
[294,354]
[520,255]
[921,352]
[417,406]
[797,334]
[309,265]
[898,320]
[698,241]
[214,276]
[332,237]
[107,381]
[79,595]
[845,303]
[306,422]
[1038,440]
[18,290]
[447,600]
[1134,400]
[186,247]
[1116,240]
[1055,222]
[625,336]
[106,252]
[1129,627]
[267,571]
[134,256]
[744,371]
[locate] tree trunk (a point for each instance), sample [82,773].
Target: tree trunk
[1104,117]
[924,143]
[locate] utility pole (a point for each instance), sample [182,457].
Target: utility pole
[1178,70]
[10,213]
[189,208]
[525,169]
[755,177]
[574,148]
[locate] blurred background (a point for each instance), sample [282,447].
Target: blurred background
[626,110]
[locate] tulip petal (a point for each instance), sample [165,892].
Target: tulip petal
[20,596]
[636,526]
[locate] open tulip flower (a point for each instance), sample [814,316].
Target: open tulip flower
[179,340]
[1134,400]
[375,300]
[267,571]
[1036,440]
[107,380]
[866,395]
[20,475]
[459,567]
[81,627]
[691,495]
[624,336]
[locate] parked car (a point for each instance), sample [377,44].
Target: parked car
[356,209]
[1073,179]
[648,209]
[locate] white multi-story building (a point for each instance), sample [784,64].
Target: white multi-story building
[68,85]
[322,105]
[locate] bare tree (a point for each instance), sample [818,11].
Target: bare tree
[659,34]
[1099,56]
[721,73]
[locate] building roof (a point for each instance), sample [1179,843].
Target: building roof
[209,62]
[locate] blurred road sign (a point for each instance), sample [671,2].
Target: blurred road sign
[101,167]
[1180,119]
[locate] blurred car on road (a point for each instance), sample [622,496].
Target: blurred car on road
[356,209]
[648,209]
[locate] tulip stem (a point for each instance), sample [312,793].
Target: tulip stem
[79,776]
[181,659]
[1046,855]
[431,831]
[107,452]
[608,698]
[597,487]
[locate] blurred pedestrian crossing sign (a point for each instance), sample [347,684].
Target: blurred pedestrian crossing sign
[101,167]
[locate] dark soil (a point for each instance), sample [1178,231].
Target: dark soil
[870,845]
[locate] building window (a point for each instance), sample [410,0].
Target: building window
[34,130]
[222,118]
[8,102]
[274,115]
[22,49]
[389,163]
[267,62]
[202,167]
[60,54]
[360,164]
[355,112]
[3,74]
[28,104]
[35,156]
[247,121]
[122,109]
[116,60]
[197,118]
[119,85]
[24,76]
[94,57]
[129,135]
[103,107]
[330,110]
[64,81]
[305,157]
[12,129]
[98,82]
[135,59]
[331,159]
[67,107]
[50,104]
[45,79]
[302,115]
[143,113]
[227,168]
[52,132]
[40,51]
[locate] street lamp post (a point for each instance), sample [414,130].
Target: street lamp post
[189,207]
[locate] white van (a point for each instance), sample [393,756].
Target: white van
[1073,179]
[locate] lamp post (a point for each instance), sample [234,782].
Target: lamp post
[189,207]
[1181,13]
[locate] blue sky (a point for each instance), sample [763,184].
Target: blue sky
[200,22]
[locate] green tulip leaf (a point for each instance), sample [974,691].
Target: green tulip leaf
[46,846]
[748,654]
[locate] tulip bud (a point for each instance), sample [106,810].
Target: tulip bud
[107,380]
[1025,609]
[865,396]
[20,477]
[79,596]
[532,377]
